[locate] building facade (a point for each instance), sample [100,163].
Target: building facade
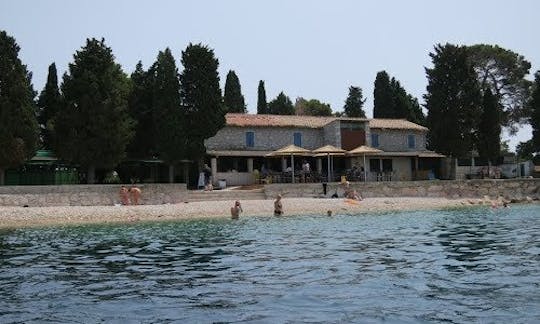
[246,142]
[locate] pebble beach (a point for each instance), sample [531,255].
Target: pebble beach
[16,217]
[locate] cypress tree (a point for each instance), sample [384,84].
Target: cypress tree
[232,97]
[489,128]
[534,105]
[19,127]
[262,105]
[382,96]
[453,101]
[201,97]
[93,127]
[168,115]
[48,106]
[282,105]
[140,104]
[354,103]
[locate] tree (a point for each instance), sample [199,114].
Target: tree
[453,101]
[312,107]
[140,107]
[503,71]
[281,105]
[201,97]
[93,127]
[525,150]
[489,128]
[262,105]
[168,116]
[232,97]
[534,105]
[354,103]
[382,96]
[19,127]
[48,106]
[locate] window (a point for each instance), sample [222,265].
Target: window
[387,165]
[250,139]
[375,140]
[374,165]
[298,139]
[411,140]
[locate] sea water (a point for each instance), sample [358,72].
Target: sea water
[457,266]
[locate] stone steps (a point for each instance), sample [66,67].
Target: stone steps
[226,195]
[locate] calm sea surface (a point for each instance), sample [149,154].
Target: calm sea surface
[461,266]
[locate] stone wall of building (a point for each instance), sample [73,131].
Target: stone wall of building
[332,134]
[517,190]
[266,138]
[88,195]
[397,140]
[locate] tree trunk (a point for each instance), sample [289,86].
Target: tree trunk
[91,175]
[2,176]
[171,173]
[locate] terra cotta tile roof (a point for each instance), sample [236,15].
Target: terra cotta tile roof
[254,120]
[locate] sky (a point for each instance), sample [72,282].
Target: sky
[305,48]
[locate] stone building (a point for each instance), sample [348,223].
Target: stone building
[245,143]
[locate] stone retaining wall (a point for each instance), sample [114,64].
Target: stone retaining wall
[511,189]
[89,195]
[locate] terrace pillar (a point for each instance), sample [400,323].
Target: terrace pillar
[283,164]
[213,166]
[250,165]
[319,165]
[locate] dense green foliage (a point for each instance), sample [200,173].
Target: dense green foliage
[489,128]
[49,103]
[19,127]
[93,127]
[140,107]
[392,101]
[262,105]
[232,97]
[201,97]
[534,105]
[453,101]
[281,105]
[382,97]
[354,103]
[168,115]
[312,107]
[503,71]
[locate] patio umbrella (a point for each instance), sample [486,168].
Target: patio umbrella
[291,150]
[329,150]
[364,150]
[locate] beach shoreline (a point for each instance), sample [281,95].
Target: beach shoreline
[21,217]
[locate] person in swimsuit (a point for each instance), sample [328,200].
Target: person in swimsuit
[135,195]
[236,210]
[124,196]
[278,207]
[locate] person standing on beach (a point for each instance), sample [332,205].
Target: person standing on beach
[135,195]
[124,196]
[236,210]
[278,207]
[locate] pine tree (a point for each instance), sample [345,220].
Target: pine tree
[382,96]
[232,97]
[262,105]
[282,105]
[93,127]
[489,128]
[453,101]
[19,127]
[312,107]
[168,116]
[534,105]
[201,97]
[140,104]
[48,106]
[354,103]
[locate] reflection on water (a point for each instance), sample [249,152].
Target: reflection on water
[452,266]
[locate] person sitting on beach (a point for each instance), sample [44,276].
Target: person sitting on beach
[135,195]
[351,193]
[278,207]
[236,210]
[124,196]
